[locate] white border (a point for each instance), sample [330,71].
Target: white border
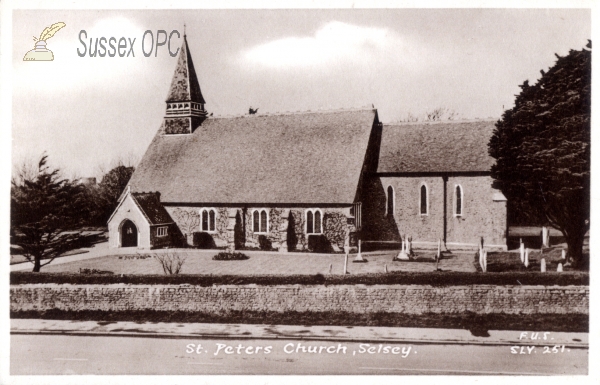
[6,8]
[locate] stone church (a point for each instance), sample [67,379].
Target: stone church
[311,181]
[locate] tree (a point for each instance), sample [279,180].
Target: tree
[439,114]
[45,213]
[110,189]
[188,221]
[542,148]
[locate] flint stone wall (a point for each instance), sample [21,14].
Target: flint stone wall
[334,220]
[407,299]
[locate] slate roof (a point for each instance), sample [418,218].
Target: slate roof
[184,85]
[313,157]
[151,207]
[458,146]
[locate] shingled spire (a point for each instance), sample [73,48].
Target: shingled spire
[185,104]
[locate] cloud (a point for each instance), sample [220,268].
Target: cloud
[334,43]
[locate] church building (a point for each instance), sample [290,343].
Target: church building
[310,181]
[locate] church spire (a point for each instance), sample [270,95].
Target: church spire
[185,104]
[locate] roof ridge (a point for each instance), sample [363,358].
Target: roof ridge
[427,123]
[299,112]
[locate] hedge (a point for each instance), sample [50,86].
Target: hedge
[393,278]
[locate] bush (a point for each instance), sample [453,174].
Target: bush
[94,271]
[171,263]
[203,241]
[392,278]
[230,256]
[319,243]
[264,243]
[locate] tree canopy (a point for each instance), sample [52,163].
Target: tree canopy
[103,199]
[542,148]
[46,212]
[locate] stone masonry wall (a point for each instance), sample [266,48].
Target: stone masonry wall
[334,220]
[482,216]
[407,299]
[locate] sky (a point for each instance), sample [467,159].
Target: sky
[86,113]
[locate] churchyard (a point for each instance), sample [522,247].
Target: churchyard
[201,262]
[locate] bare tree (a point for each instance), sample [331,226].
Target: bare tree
[410,118]
[439,114]
[171,263]
[187,220]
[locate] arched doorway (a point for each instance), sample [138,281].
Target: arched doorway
[129,234]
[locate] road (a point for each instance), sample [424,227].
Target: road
[68,354]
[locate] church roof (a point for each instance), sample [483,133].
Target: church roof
[313,157]
[185,86]
[151,207]
[449,146]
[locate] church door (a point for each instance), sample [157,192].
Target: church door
[129,234]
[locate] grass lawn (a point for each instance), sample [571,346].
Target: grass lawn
[200,262]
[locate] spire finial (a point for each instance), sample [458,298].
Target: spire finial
[183,29]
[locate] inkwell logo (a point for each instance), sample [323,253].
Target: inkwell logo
[40,52]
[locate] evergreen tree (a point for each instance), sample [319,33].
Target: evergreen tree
[45,214]
[542,148]
[110,189]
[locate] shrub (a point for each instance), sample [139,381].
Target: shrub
[264,243]
[171,263]
[230,256]
[392,278]
[319,243]
[203,240]
[94,271]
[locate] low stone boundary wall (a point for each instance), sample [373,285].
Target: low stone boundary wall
[407,299]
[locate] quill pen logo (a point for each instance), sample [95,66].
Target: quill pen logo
[40,52]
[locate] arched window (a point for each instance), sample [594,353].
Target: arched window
[204,220]
[389,210]
[208,219]
[423,200]
[459,201]
[263,221]
[314,223]
[318,222]
[260,221]
[256,221]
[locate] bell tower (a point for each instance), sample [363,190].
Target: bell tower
[185,104]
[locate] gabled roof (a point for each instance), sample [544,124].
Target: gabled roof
[185,86]
[152,209]
[457,146]
[313,157]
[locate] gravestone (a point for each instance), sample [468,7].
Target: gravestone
[543,265]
